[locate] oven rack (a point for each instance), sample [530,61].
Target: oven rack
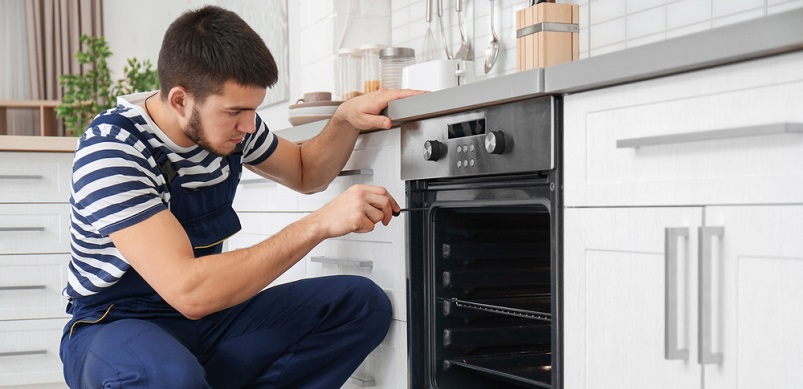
[530,368]
[503,310]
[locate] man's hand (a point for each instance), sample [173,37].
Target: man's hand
[358,209]
[362,112]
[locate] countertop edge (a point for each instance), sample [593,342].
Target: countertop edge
[752,39]
[38,143]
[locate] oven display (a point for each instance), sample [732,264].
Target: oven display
[469,128]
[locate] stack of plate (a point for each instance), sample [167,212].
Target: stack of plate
[303,113]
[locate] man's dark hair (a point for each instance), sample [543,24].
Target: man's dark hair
[205,48]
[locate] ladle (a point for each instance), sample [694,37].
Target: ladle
[492,51]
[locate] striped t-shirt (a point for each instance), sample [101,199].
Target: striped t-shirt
[116,183]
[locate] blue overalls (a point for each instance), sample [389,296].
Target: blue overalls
[312,333]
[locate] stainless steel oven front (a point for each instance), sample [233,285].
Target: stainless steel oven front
[484,270]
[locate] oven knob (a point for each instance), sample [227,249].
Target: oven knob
[495,142]
[432,150]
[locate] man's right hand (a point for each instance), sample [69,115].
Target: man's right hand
[358,209]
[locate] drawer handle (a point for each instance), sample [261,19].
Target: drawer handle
[356,172]
[263,181]
[22,287]
[362,382]
[20,177]
[21,353]
[22,229]
[699,136]
[345,262]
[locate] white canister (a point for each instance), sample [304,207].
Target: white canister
[437,75]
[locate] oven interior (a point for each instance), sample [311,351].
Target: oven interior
[486,277]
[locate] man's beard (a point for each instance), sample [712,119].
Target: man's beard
[195,132]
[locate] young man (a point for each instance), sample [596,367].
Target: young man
[154,301]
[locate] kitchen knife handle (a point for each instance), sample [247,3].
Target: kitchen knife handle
[671,350]
[704,304]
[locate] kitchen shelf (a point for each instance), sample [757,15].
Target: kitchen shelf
[47,114]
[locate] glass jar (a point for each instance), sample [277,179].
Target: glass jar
[349,63]
[370,67]
[391,62]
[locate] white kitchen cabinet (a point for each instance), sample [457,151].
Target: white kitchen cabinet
[726,135]
[617,291]
[265,208]
[614,273]
[715,156]
[34,254]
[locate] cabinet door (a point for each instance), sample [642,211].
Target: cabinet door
[259,226]
[614,298]
[757,288]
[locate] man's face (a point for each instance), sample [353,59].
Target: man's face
[222,121]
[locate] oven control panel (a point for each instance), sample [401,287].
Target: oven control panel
[515,137]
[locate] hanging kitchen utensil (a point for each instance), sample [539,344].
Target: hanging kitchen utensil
[443,31]
[493,48]
[465,47]
[428,51]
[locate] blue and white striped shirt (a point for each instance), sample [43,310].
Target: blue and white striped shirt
[116,183]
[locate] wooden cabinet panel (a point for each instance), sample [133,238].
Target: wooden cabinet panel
[31,285]
[34,228]
[29,352]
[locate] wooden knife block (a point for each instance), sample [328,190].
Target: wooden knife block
[547,34]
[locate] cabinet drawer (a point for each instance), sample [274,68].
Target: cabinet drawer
[260,226]
[35,177]
[34,228]
[726,135]
[256,193]
[382,262]
[29,352]
[386,366]
[375,161]
[31,285]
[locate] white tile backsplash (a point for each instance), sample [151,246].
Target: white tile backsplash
[605,26]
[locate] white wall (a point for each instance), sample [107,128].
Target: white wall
[316,27]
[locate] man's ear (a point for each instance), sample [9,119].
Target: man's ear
[180,102]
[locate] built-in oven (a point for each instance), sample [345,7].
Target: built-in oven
[484,270]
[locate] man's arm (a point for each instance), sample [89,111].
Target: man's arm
[311,166]
[159,249]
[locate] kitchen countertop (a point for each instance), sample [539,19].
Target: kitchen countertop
[769,35]
[38,143]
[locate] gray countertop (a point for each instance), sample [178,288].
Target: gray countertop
[769,35]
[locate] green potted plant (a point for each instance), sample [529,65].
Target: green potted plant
[87,94]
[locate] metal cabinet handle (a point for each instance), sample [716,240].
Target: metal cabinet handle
[356,172]
[22,229]
[21,353]
[705,356]
[698,136]
[671,350]
[260,181]
[21,177]
[345,262]
[362,382]
[22,287]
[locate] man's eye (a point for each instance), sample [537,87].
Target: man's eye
[234,113]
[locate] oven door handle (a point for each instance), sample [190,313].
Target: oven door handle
[671,349]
